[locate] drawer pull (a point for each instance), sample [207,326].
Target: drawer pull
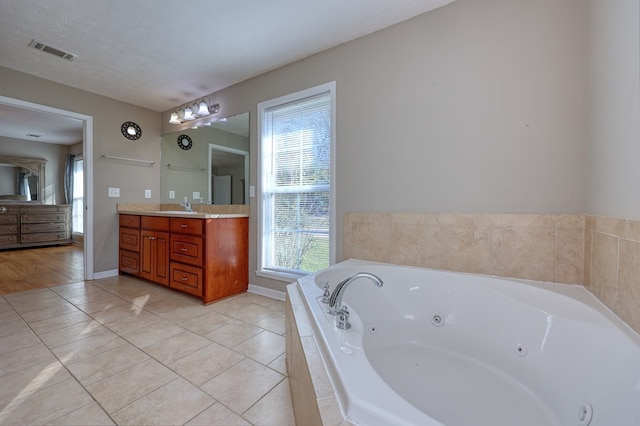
[183,249]
[184,225]
[184,278]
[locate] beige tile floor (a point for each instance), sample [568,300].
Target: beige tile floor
[124,351]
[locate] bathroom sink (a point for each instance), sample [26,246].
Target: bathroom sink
[175,212]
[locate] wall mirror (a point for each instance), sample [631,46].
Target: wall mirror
[21,178]
[209,164]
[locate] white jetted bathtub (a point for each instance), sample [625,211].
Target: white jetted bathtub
[438,348]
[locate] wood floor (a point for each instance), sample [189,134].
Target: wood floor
[27,269]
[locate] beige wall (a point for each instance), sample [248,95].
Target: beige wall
[614,116]
[478,106]
[108,115]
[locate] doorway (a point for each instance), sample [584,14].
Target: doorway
[87,169]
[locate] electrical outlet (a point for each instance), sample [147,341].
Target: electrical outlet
[147,193]
[114,192]
[172,195]
[196,195]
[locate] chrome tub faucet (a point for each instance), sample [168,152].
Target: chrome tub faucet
[335,301]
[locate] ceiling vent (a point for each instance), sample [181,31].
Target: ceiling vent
[57,52]
[33,135]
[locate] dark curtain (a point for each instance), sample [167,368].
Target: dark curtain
[68,179]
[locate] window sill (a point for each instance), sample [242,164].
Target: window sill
[280,276]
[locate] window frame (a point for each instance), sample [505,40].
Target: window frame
[330,88]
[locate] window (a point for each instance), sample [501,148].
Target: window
[297,191]
[77,208]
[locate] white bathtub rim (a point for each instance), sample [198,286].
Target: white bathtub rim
[575,292]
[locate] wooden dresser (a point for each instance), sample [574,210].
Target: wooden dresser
[207,257]
[32,225]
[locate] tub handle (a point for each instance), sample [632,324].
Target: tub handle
[326,294]
[342,320]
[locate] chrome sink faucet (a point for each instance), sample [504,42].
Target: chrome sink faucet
[187,205]
[335,301]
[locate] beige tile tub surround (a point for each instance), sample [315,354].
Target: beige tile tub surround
[602,253]
[530,246]
[612,265]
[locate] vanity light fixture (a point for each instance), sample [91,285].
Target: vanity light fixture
[174,118]
[188,114]
[190,111]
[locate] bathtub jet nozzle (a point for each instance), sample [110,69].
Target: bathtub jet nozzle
[335,301]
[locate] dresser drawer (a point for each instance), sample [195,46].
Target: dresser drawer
[130,221]
[129,262]
[187,226]
[44,237]
[186,278]
[43,217]
[187,249]
[8,239]
[8,229]
[9,210]
[43,208]
[43,227]
[130,239]
[8,218]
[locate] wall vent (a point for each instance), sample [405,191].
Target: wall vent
[52,50]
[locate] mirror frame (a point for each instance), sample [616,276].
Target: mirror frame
[34,165]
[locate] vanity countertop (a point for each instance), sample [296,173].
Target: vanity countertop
[177,213]
[169,210]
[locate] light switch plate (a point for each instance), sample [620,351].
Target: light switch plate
[252,191]
[114,192]
[147,193]
[172,195]
[196,195]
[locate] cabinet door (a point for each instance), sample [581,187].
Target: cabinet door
[154,256]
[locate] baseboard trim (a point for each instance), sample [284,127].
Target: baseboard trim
[105,274]
[267,292]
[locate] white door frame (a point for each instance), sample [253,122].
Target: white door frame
[87,148]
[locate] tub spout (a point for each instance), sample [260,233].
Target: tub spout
[335,301]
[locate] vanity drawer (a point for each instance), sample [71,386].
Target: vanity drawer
[8,218]
[8,239]
[8,229]
[43,227]
[187,249]
[43,237]
[186,278]
[130,221]
[187,226]
[130,239]
[43,218]
[154,223]
[129,262]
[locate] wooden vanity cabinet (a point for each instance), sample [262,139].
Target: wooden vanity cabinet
[207,258]
[129,242]
[154,249]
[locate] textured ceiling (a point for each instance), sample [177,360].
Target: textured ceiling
[159,53]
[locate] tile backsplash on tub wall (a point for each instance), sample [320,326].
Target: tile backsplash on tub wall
[529,246]
[612,265]
[602,253]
